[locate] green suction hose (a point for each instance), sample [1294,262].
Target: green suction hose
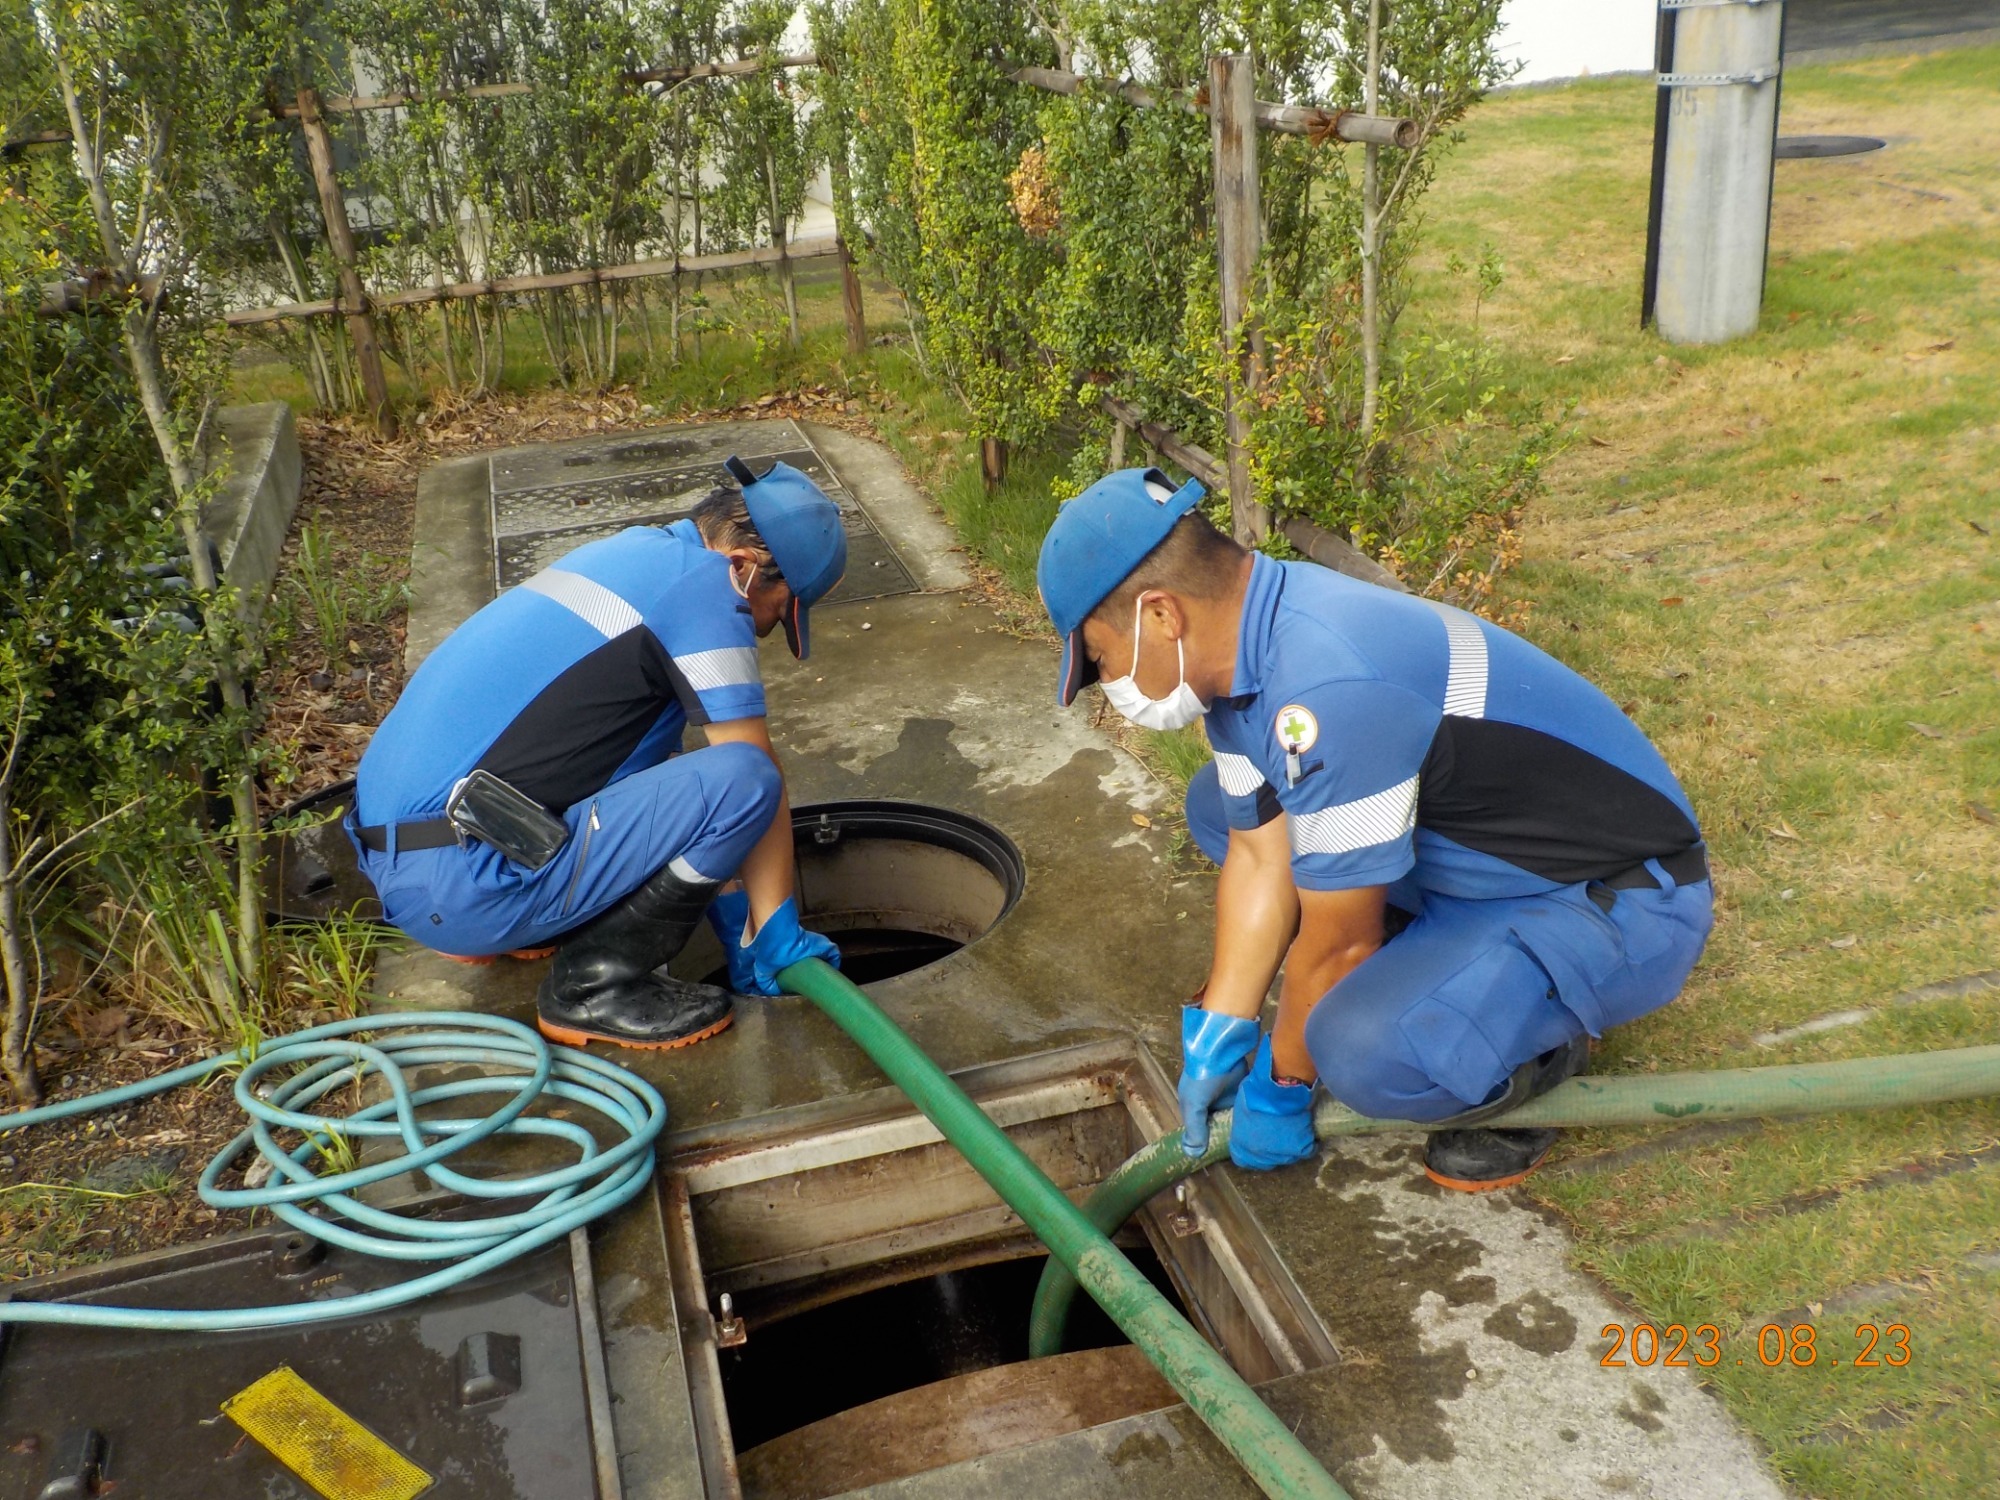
[1265,1446]
[1641,1099]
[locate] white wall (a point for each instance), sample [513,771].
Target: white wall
[1568,38]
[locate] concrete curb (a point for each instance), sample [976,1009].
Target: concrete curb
[451,555]
[900,511]
[250,514]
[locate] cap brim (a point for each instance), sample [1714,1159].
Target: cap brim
[796,631]
[1078,671]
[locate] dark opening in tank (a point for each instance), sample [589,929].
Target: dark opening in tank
[896,885]
[896,1338]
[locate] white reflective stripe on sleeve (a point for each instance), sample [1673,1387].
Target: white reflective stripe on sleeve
[587,599]
[1465,679]
[727,666]
[680,869]
[1238,774]
[1360,824]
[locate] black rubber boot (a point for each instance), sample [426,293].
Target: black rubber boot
[1475,1160]
[603,986]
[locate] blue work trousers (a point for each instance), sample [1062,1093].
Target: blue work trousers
[701,812]
[1436,1019]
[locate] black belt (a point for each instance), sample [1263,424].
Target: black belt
[1689,867]
[435,833]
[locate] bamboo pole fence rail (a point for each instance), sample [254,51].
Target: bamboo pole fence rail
[817,248]
[342,104]
[348,104]
[1288,119]
[1316,542]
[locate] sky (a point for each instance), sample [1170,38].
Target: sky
[1565,38]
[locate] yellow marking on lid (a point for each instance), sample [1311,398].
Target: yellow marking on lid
[322,1444]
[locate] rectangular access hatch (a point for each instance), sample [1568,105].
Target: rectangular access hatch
[879,1292]
[552,498]
[489,1389]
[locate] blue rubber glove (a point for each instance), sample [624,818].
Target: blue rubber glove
[1273,1126]
[729,915]
[1215,1053]
[780,943]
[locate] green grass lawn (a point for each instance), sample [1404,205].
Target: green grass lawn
[1779,555]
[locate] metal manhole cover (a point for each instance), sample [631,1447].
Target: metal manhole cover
[1798,147]
[548,501]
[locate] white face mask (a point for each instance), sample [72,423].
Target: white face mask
[1177,710]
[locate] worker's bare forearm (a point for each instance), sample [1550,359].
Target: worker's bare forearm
[1338,931]
[767,872]
[768,867]
[1256,914]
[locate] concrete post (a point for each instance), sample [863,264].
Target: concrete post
[1719,76]
[1232,112]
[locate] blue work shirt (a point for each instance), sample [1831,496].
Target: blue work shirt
[583,674]
[1405,737]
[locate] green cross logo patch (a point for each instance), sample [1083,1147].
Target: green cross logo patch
[1298,730]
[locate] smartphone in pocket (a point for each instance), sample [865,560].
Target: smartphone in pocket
[484,807]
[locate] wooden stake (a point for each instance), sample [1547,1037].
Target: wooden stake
[1232,96]
[340,236]
[993,462]
[850,301]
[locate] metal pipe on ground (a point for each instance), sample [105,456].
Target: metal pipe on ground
[1648,1099]
[1265,1446]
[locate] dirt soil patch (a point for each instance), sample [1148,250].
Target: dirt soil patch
[118,1183]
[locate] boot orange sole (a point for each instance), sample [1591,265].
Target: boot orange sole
[1484,1185]
[569,1038]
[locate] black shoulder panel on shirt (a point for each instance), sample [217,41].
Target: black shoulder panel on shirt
[565,744]
[1540,802]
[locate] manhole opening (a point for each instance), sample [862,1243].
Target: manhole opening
[896,885]
[900,1337]
[879,1291]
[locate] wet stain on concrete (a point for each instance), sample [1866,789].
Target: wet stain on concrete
[1368,1275]
[1534,1322]
[1140,1447]
[1339,1173]
[1641,1407]
[1469,1289]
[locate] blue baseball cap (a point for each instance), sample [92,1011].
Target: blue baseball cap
[802,528]
[1097,540]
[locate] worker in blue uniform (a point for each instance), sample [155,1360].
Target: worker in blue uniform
[529,789]
[1382,765]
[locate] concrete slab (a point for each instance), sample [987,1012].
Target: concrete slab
[451,554]
[903,513]
[1469,1346]
[252,510]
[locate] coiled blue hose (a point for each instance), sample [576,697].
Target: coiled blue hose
[511,1060]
